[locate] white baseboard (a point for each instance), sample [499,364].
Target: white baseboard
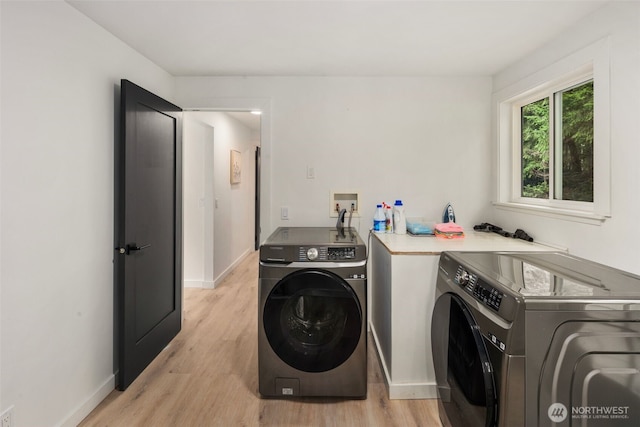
[81,412]
[413,391]
[383,362]
[403,390]
[192,283]
[211,284]
[205,284]
[229,269]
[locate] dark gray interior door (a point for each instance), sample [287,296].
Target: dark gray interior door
[148,259]
[257,202]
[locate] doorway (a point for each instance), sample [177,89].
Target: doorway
[220,213]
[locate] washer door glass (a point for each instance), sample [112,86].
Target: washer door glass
[313,320]
[464,372]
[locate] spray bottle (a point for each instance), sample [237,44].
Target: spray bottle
[388,217]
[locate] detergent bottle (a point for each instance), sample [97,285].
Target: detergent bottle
[379,220]
[399,220]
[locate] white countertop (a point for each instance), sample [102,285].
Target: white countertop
[406,244]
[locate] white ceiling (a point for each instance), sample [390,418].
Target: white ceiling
[334,37]
[251,121]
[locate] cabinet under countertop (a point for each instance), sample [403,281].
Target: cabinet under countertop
[402,279]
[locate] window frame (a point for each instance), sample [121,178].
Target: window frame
[555,115]
[590,63]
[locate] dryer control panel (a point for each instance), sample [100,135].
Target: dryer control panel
[480,290]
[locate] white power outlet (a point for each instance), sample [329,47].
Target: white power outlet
[7,417]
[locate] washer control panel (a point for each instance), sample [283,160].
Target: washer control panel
[342,253]
[487,294]
[324,253]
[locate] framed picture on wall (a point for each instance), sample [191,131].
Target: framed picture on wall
[235,167]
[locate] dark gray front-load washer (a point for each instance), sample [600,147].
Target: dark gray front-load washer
[535,339]
[312,332]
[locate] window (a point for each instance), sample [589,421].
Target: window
[534,149]
[553,139]
[556,145]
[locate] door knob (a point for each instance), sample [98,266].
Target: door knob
[132,247]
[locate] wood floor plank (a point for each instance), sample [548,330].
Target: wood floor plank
[208,375]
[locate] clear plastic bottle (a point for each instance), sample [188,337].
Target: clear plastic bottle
[379,220]
[399,220]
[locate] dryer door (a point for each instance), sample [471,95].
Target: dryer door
[464,375]
[312,320]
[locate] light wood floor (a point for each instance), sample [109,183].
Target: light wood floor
[208,376]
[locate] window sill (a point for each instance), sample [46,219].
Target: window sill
[557,213]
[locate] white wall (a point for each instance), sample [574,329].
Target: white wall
[615,242]
[208,139]
[422,140]
[197,180]
[60,85]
